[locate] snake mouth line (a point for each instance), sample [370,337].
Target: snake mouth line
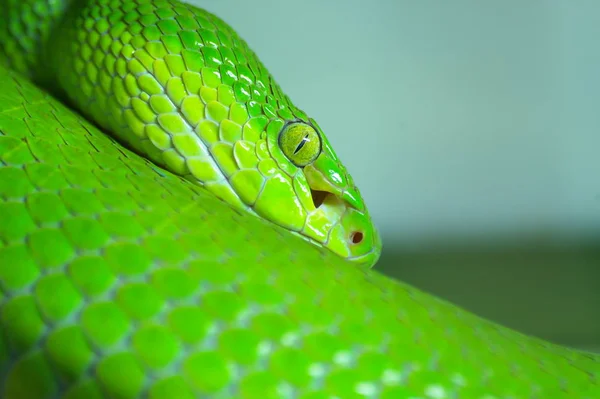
[319,197]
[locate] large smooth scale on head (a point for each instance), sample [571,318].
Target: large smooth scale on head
[179,86]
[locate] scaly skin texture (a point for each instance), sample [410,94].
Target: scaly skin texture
[122,280]
[179,86]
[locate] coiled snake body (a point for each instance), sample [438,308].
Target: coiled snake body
[212,245]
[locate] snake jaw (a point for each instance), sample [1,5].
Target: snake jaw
[339,210]
[329,200]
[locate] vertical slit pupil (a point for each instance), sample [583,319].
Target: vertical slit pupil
[301,144]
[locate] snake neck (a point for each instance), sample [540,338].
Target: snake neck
[26,29]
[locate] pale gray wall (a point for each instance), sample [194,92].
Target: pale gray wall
[456,118]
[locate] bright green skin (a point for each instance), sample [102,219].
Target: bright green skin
[177,85]
[121,280]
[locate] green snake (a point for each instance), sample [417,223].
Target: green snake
[173,226]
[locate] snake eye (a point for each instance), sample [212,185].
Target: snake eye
[300,143]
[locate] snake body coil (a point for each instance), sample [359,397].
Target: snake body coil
[212,248]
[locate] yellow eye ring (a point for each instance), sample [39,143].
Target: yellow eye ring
[300,143]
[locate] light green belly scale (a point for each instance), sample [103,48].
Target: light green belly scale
[119,279]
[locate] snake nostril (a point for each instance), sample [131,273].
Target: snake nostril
[356,237]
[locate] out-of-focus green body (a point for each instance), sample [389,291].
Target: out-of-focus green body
[119,279]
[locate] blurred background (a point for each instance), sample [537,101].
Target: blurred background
[473,130]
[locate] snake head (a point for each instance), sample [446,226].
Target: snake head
[200,104]
[330,210]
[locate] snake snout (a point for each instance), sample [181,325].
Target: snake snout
[320,197]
